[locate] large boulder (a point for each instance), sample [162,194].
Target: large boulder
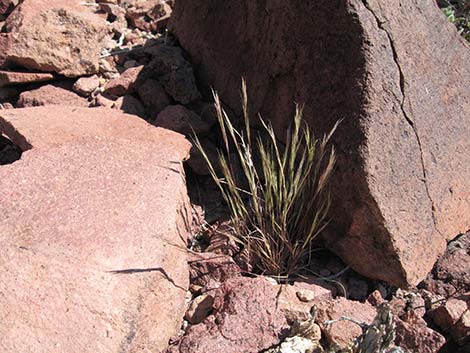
[59,36]
[92,232]
[396,72]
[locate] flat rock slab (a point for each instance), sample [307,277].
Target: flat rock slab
[396,72]
[64,37]
[90,216]
[8,78]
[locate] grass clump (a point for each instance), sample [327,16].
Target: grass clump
[280,204]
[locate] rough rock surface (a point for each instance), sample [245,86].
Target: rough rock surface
[413,335]
[65,37]
[85,86]
[8,78]
[451,273]
[50,95]
[125,83]
[87,218]
[402,182]
[343,332]
[182,120]
[174,73]
[245,319]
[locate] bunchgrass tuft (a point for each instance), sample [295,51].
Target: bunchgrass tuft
[282,203]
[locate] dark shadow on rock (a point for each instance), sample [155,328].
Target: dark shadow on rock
[9,152]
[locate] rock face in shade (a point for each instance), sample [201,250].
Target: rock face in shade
[396,72]
[59,36]
[89,218]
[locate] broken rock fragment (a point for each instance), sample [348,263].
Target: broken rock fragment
[64,37]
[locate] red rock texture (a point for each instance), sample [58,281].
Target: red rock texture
[87,218]
[50,95]
[380,65]
[125,83]
[174,73]
[451,273]
[343,332]
[85,86]
[245,319]
[8,78]
[182,120]
[65,37]
[413,334]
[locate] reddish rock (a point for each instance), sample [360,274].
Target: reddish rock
[147,15]
[125,83]
[56,36]
[8,78]
[154,97]
[413,335]
[87,216]
[102,101]
[85,86]
[206,267]
[245,319]
[130,105]
[199,309]
[461,331]
[451,273]
[379,65]
[50,95]
[449,313]
[182,120]
[174,73]
[342,333]
[296,309]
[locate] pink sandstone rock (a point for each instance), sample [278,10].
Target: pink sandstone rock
[50,95]
[8,78]
[124,84]
[245,319]
[343,332]
[59,36]
[413,335]
[91,232]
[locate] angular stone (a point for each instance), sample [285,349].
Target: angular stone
[448,314]
[199,309]
[175,73]
[342,333]
[147,14]
[296,309]
[8,78]
[56,36]
[182,120]
[154,97]
[87,218]
[245,319]
[402,185]
[85,86]
[50,95]
[207,267]
[130,105]
[125,83]
[413,335]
